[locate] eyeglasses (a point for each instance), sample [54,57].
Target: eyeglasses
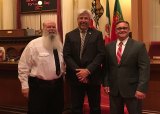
[120,28]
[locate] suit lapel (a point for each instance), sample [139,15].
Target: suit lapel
[126,50]
[114,52]
[78,40]
[88,35]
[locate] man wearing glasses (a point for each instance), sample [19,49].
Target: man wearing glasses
[127,72]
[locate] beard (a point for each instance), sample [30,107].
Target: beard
[52,35]
[52,41]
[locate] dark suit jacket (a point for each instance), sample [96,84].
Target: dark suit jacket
[92,56]
[133,71]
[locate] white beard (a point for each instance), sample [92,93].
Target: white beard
[52,36]
[52,41]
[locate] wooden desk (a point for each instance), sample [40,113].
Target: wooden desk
[11,98]
[14,46]
[152,101]
[10,88]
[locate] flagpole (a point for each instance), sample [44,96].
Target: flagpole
[107,25]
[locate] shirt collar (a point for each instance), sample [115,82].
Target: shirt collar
[124,41]
[83,31]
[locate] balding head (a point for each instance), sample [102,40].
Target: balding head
[50,37]
[49,29]
[48,22]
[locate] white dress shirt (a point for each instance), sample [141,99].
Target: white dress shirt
[37,61]
[123,45]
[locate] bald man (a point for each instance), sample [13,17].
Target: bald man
[41,83]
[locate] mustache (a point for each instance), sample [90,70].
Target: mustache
[52,34]
[122,32]
[83,23]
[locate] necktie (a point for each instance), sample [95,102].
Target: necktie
[57,63]
[83,35]
[119,52]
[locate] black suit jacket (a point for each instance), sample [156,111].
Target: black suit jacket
[133,71]
[92,56]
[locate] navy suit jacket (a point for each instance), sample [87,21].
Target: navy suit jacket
[92,56]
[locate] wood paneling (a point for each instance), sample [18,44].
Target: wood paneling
[152,101]
[10,88]
[11,97]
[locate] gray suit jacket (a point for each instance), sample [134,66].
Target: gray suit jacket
[133,71]
[92,56]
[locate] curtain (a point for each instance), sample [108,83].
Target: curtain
[32,21]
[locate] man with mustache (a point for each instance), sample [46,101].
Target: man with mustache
[41,83]
[127,72]
[84,51]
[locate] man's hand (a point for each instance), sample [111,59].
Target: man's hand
[106,90]
[25,92]
[84,80]
[63,68]
[82,75]
[140,95]
[82,72]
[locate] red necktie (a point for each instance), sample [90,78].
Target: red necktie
[119,52]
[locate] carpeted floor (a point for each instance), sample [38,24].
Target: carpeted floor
[104,104]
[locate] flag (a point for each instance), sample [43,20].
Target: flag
[117,15]
[97,11]
[95,17]
[107,26]
[92,23]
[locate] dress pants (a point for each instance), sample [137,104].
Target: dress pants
[78,93]
[117,103]
[45,97]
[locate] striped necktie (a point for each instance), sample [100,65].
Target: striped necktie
[83,35]
[119,52]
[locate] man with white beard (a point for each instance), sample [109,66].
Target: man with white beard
[40,77]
